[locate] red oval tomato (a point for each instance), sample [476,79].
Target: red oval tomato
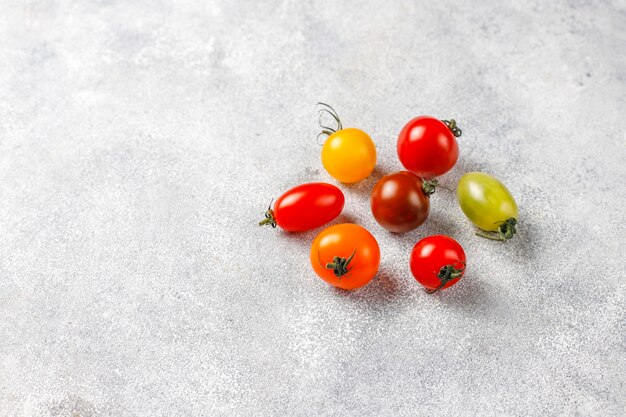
[427,146]
[437,262]
[399,203]
[305,207]
[345,256]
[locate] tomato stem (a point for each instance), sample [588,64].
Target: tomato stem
[269,219]
[340,265]
[489,235]
[456,131]
[429,186]
[506,231]
[446,274]
[327,130]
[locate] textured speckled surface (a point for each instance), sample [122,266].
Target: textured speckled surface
[140,142]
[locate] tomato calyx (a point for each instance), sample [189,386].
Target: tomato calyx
[456,131]
[506,231]
[429,186]
[327,130]
[447,273]
[340,265]
[269,219]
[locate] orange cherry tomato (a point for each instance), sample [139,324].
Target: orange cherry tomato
[346,256]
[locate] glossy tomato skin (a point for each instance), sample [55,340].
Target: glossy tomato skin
[432,253]
[308,206]
[349,155]
[427,147]
[342,241]
[399,203]
[485,200]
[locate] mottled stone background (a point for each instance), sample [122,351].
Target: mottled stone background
[140,142]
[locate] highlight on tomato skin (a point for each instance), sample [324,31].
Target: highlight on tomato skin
[437,262]
[427,146]
[305,207]
[345,256]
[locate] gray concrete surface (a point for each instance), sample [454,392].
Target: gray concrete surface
[140,141]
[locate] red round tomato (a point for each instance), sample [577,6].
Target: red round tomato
[427,146]
[305,207]
[437,262]
[400,201]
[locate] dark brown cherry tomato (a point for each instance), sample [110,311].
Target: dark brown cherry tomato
[305,207]
[400,201]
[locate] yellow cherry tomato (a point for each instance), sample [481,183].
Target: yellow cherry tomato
[349,155]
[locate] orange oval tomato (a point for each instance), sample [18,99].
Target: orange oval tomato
[345,255]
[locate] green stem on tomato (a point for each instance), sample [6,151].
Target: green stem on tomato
[505,231]
[269,219]
[340,265]
[490,235]
[444,187]
[327,130]
[456,131]
[429,186]
[446,274]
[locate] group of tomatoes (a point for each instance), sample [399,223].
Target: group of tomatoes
[347,255]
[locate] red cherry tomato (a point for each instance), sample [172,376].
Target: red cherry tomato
[437,262]
[305,207]
[400,201]
[427,146]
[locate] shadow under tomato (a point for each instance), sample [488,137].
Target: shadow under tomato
[383,289]
[466,163]
[439,223]
[468,295]
[364,187]
[302,239]
[522,248]
[306,238]
[342,218]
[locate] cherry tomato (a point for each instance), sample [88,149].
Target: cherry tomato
[305,207]
[349,155]
[488,204]
[345,256]
[437,262]
[400,201]
[427,146]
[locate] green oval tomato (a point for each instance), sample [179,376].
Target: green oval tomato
[488,204]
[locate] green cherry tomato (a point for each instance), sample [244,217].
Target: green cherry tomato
[488,204]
